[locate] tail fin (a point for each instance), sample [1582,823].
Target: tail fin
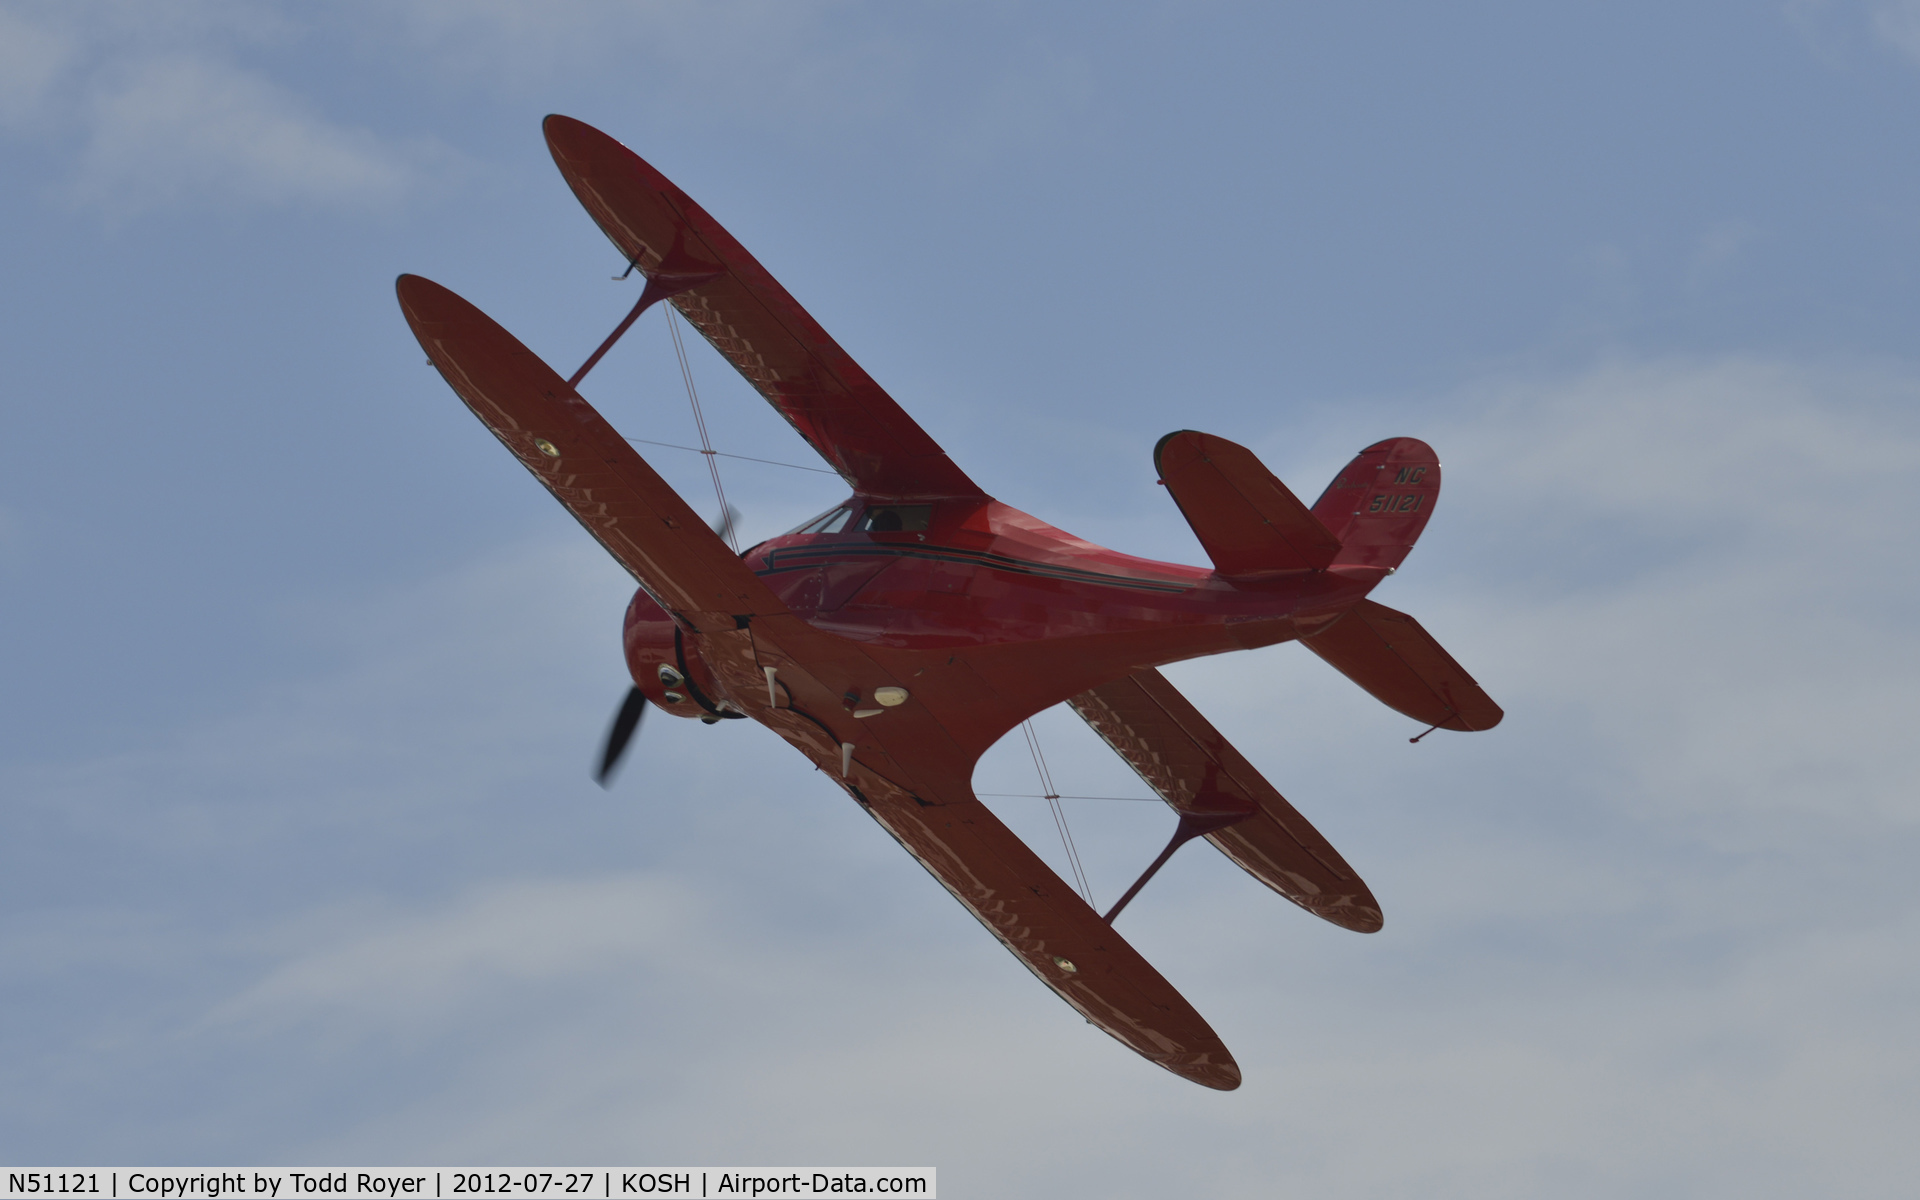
[1247,520]
[1378,503]
[1399,663]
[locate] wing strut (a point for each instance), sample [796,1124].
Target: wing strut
[1191,826]
[663,284]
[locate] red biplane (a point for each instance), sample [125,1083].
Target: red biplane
[894,639]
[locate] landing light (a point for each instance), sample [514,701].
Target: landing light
[890,697]
[547,448]
[1065,964]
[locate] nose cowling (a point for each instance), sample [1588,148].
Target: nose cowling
[666,663]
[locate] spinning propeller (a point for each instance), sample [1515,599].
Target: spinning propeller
[626,722]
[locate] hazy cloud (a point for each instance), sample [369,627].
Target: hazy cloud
[760,60]
[174,128]
[1716,504]
[1649,932]
[32,58]
[163,112]
[1897,22]
[397,966]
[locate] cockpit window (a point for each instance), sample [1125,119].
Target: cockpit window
[833,520]
[896,518]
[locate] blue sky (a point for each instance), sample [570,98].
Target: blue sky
[302,677]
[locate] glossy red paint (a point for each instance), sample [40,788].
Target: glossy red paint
[896,640]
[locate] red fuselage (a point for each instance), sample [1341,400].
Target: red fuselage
[986,574]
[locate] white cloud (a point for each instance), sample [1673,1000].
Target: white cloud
[1832,29]
[1737,620]
[32,58]
[399,967]
[759,60]
[1897,22]
[162,110]
[174,128]
[804,68]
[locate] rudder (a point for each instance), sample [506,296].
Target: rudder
[1379,503]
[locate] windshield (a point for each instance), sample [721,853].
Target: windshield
[896,518]
[832,521]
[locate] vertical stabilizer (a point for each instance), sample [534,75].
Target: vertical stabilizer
[1378,503]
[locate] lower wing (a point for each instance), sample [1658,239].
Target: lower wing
[1186,761]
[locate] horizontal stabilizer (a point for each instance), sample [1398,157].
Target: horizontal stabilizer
[1399,663]
[1246,520]
[1182,757]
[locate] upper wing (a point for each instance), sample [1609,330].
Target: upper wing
[1183,758]
[584,462]
[1399,663]
[752,321]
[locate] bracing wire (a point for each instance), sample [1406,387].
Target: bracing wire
[1059,815]
[723,454]
[700,422]
[1064,796]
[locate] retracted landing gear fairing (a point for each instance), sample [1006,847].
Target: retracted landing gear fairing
[895,638]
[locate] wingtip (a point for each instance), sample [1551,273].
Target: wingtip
[1355,914]
[407,290]
[570,134]
[1221,1076]
[419,295]
[1161,445]
[1213,1068]
[1479,720]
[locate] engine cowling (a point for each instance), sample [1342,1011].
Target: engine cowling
[667,666]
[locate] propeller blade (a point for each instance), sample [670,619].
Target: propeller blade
[624,723]
[724,523]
